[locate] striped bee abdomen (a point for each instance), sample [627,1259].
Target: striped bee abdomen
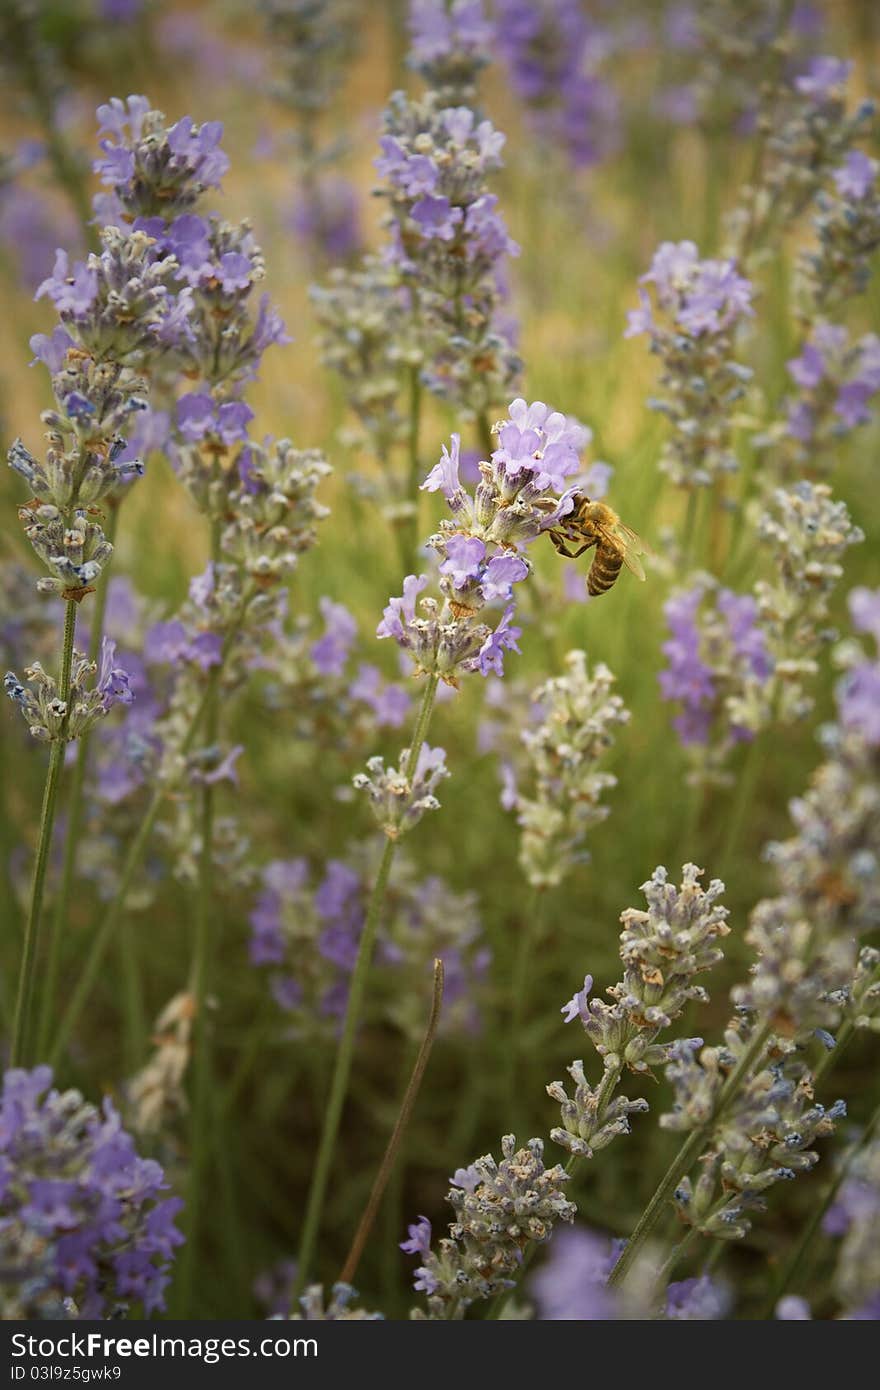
[604,570]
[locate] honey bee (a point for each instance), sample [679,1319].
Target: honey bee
[595,524]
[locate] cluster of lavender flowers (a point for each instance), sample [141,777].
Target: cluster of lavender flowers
[715,646]
[500,1209]
[369,338]
[308,936]
[807,936]
[847,227]
[809,976]
[553,51]
[744,661]
[740,47]
[92,692]
[662,949]
[156,175]
[855,1219]
[806,131]
[450,44]
[762,1136]
[480,547]
[564,753]
[449,243]
[119,312]
[86,1231]
[337,701]
[503,1208]
[428,311]
[572,1285]
[835,380]
[691,323]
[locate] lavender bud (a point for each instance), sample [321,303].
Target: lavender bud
[399,801]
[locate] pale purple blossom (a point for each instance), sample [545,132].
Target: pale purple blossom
[331,651]
[577,1006]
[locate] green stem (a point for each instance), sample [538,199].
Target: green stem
[113,915]
[745,791]
[386,1167]
[24,996]
[685,1159]
[415,467]
[484,431]
[676,1254]
[345,1051]
[199,986]
[690,521]
[75,798]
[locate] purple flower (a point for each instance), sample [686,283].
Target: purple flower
[443,477]
[113,682]
[640,320]
[233,418]
[79,1195]
[858,701]
[491,655]
[71,293]
[543,441]
[121,117]
[165,643]
[858,692]
[224,771]
[468,1179]
[234,272]
[499,576]
[851,404]
[195,416]
[390,703]
[419,1240]
[808,369]
[51,349]
[331,651]
[401,611]
[824,76]
[864,608]
[696,1299]
[577,1006]
[269,328]
[464,559]
[688,679]
[856,175]
[438,30]
[327,218]
[571,1285]
[188,239]
[436,217]
[749,642]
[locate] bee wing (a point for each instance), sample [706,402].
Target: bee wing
[633,564]
[629,546]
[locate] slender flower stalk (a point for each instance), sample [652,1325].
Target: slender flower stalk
[106,931]
[24,996]
[345,1050]
[687,1155]
[389,1159]
[74,809]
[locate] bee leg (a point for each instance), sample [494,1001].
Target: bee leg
[563,549]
